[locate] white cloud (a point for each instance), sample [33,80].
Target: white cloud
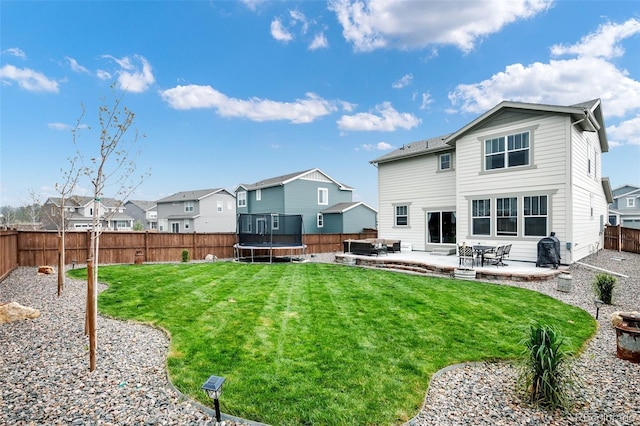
[59,126]
[380,146]
[626,132]
[135,74]
[28,79]
[319,42]
[14,51]
[426,100]
[255,109]
[253,4]
[404,81]
[375,24]
[75,66]
[279,32]
[298,17]
[603,43]
[565,81]
[103,75]
[387,120]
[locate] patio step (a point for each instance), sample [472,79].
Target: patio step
[443,251]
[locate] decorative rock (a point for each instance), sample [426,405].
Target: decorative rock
[45,270]
[14,311]
[210,258]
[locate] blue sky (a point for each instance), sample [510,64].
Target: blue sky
[236,92]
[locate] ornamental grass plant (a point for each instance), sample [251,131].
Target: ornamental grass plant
[546,378]
[603,286]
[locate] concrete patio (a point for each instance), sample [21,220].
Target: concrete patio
[427,263]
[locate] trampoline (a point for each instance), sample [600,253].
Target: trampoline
[260,236]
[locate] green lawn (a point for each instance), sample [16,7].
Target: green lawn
[320,343]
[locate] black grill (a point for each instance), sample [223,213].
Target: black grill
[549,251]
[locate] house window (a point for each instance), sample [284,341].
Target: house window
[402,215]
[320,220]
[245,226]
[323,196]
[535,216]
[481,217]
[242,199]
[445,161]
[261,225]
[507,216]
[188,206]
[229,205]
[153,225]
[631,202]
[121,224]
[219,206]
[175,227]
[258,194]
[499,155]
[275,221]
[441,227]
[186,224]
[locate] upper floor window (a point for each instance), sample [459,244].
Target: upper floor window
[401,215]
[507,216]
[188,206]
[219,206]
[481,217]
[323,196]
[258,194]
[504,152]
[445,161]
[242,199]
[631,202]
[320,220]
[535,215]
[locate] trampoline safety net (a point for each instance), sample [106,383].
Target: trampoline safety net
[269,230]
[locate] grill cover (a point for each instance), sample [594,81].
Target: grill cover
[548,251]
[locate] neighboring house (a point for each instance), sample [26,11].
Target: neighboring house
[625,209]
[143,212]
[205,210]
[511,176]
[325,204]
[79,213]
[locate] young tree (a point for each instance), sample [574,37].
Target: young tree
[32,208]
[112,166]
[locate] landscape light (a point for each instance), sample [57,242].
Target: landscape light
[213,388]
[598,304]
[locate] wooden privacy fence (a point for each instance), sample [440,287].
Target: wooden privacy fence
[34,248]
[622,239]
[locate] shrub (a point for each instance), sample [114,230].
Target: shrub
[603,286]
[185,255]
[546,377]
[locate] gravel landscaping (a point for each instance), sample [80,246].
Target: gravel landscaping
[44,375]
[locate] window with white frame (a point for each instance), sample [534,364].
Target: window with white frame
[275,221]
[535,212]
[186,224]
[245,224]
[219,206]
[258,194]
[481,217]
[445,161]
[323,196]
[505,152]
[188,206]
[320,220]
[242,199]
[401,215]
[631,202]
[507,216]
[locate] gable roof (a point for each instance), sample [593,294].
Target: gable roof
[143,205]
[628,190]
[343,207]
[415,149]
[82,200]
[587,115]
[285,179]
[196,195]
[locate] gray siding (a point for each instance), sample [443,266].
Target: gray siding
[301,197]
[358,218]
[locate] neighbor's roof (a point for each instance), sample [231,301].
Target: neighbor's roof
[144,205]
[80,200]
[285,179]
[196,195]
[343,207]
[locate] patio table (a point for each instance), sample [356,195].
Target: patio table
[482,249]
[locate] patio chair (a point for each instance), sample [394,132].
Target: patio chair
[507,250]
[495,258]
[465,254]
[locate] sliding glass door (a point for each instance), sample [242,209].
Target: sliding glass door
[441,227]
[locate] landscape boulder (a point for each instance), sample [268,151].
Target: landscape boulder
[45,270]
[14,311]
[210,258]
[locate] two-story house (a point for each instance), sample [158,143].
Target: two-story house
[79,213]
[625,209]
[512,176]
[144,213]
[325,204]
[205,210]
